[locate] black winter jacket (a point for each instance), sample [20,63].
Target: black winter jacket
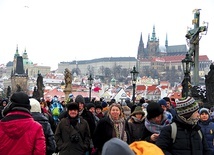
[72,140]
[187,142]
[49,135]
[103,132]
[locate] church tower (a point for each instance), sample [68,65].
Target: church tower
[153,45]
[141,52]
[15,57]
[19,78]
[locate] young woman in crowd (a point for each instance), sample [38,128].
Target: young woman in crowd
[113,125]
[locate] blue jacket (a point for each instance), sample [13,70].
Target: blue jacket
[207,128]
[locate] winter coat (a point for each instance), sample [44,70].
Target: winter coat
[49,135]
[20,134]
[207,128]
[89,117]
[72,140]
[103,132]
[135,129]
[187,142]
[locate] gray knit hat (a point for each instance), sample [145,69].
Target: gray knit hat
[186,107]
[80,99]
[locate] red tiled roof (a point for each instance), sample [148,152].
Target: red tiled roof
[149,88]
[60,94]
[178,58]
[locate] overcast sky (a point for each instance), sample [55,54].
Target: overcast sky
[65,30]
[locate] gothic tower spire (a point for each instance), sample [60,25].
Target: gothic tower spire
[17,52]
[153,34]
[166,42]
[140,53]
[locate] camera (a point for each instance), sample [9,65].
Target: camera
[74,138]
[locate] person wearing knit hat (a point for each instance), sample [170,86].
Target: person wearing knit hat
[105,106]
[56,109]
[3,103]
[98,111]
[145,148]
[40,118]
[155,120]
[19,130]
[126,110]
[73,132]
[163,105]
[18,100]
[136,124]
[185,108]
[204,110]
[188,139]
[207,127]
[91,107]
[116,146]
[153,110]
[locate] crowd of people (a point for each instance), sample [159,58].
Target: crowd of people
[78,126]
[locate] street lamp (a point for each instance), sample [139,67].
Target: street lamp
[187,64]
[134,74]
[90,81]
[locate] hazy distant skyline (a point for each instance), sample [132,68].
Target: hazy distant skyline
[65,30]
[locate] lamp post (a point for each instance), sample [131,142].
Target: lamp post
[90,81]
[134,74]
[187,64]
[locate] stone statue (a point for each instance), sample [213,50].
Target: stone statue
[19,88]
[68,79]
[40,86]
[35,93]
[209,82]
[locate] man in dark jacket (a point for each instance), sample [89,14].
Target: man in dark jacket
[72,133]
[188,140]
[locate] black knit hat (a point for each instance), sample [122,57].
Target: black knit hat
[90,105]
[20,99]
[99,107]
[72,106]
[153,110]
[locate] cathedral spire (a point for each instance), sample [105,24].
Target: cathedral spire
[17,52]
[166,41]
[153,34]
[140,53]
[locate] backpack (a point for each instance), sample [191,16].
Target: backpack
[174,132]
[55,111]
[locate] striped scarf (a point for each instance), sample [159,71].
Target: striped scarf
[119,128]
[156,128]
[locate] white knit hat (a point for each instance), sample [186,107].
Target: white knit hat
[35,105]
